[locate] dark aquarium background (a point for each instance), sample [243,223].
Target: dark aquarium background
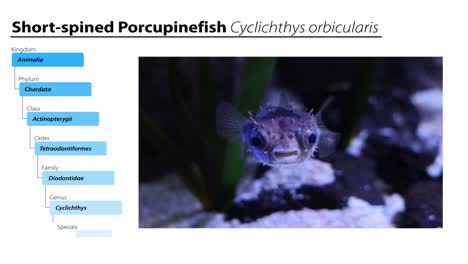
[386,170]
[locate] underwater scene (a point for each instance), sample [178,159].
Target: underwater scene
[299,142]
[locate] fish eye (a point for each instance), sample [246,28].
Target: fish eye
[311,138]
[257,140]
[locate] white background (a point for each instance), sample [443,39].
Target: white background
[408,29]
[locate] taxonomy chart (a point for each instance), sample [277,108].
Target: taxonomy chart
[68,150]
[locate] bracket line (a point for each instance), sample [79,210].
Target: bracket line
[37,167]
[30,140]
[22,108]
[14,81]
[45,197]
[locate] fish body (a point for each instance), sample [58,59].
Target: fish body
[278,135]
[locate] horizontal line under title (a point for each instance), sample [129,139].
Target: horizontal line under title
[200,29]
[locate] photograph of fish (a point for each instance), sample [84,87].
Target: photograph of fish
[290,142]
[277,135]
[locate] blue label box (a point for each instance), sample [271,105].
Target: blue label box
[55,88]
[58,148]
[47,59]
[78,177]
[86,207]
[63,118]
[93,233]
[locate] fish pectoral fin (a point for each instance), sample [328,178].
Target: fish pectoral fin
[229,122]
[327,142]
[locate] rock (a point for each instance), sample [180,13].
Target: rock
[357,143]
[429,104]
[424,205]
[357,177]
[357,213]
[435,169]
[428,101]
[270,201]
[399,166]
[313,185]
[394,110]
[261,170]
[165,202]
[311,172]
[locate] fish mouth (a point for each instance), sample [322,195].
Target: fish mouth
[285,154]
[282,155]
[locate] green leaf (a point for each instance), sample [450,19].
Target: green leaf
[357,106]
[256,76]
[188,171]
